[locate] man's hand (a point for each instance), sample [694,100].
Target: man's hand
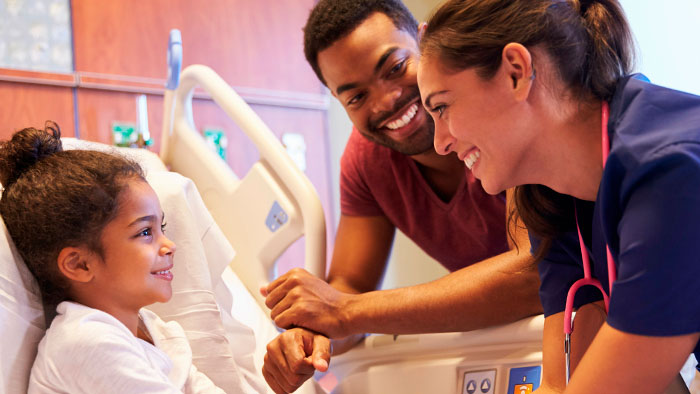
[299,299]
[292,358]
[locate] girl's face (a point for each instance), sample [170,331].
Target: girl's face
[477,119]
[138,257]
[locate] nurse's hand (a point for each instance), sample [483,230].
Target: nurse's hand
[292,358]
[299,299]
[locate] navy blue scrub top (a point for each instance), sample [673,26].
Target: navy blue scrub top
[648,212]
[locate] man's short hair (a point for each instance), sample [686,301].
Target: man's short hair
[331,20]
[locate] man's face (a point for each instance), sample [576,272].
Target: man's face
[372,72]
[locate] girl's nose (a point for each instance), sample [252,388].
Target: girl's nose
[168,247]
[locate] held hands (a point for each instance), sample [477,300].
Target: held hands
[299,299]
[292,358]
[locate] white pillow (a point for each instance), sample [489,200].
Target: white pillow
[22,323]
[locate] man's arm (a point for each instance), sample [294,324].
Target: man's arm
[498,290]
[362,247]
[361,252]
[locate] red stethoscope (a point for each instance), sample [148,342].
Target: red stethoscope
[587,277]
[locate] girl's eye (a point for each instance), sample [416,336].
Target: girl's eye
[147,232]
[162,227]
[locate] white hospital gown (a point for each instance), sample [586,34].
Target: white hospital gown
[89,351]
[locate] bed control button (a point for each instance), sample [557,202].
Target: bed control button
[485,385]
[478,382]
[471,387]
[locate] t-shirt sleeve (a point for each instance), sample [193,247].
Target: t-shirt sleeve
[356,198]
[658,281]
[558,270]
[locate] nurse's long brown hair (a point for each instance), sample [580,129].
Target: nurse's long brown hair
[589,43]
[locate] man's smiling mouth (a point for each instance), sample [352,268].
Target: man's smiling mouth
[404,119]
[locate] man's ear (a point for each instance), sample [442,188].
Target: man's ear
[77,263]
[517,63]
[421,30]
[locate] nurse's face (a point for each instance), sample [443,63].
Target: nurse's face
[477,119]
[372,72]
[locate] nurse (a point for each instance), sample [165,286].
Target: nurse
[533,94]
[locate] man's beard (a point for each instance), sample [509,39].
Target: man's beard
[420,142]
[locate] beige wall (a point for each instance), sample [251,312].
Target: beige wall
[422,9]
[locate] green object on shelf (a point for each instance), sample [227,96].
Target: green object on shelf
[216,140]
[125,135]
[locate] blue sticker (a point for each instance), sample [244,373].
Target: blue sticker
[276,218]
[524,380]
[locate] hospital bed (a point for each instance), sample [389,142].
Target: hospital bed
[230,230]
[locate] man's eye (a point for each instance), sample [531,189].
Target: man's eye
[355,99]
[397,67]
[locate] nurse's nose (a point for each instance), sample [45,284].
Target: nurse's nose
[386,100]
[444,142]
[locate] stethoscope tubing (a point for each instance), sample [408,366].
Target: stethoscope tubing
[588,279]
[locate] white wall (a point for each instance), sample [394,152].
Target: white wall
[668,38]
[668,35]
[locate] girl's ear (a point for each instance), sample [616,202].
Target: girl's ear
[76,263]
[517,62]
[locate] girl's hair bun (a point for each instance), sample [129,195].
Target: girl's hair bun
[26,148]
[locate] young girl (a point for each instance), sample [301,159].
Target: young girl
[537,93]
[91,231]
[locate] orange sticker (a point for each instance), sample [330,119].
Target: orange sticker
[522,388]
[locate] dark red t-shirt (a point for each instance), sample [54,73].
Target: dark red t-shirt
[378,181]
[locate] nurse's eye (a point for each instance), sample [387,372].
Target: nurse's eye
[438,109]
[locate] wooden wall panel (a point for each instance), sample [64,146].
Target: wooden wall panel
[100,108]
[26,105]
[249,43]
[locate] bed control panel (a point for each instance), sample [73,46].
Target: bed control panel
[501,379]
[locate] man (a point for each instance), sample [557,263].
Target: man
[366,53]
